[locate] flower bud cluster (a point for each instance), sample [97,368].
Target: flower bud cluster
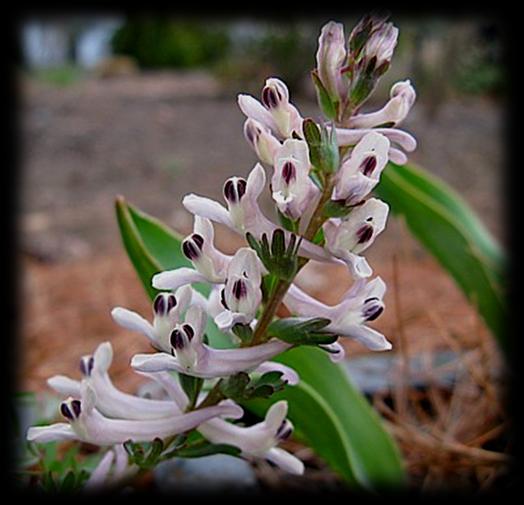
[320,180]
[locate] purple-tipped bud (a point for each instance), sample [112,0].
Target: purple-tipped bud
[190,249]
[86,365]
[77,407]
[364,234]
[252,132]
[271,97]
[188,329]
[239,289]
[284,431]
[373,307]
[234,189]
[64,409]
[163,303]
[289,172]
[368,165]
[198,240]
[176,339]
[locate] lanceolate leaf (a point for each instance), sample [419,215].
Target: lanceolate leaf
[326,409]
[332,416]
[449,229]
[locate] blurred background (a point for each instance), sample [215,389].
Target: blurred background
[146,108]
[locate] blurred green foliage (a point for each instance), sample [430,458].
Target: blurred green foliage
[61,76]
[284,50]
[157,42]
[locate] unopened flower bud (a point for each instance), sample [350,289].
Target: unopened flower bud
[331,56]
[262,140]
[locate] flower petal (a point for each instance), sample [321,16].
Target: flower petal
[100,474]
[174,279]
[157,362]
[285,460]
[133,321]
[54,432]
[336,352]
[65,385]
[369,337]
[288,373]
[252,108]
[208,208]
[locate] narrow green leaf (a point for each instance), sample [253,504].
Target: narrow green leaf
[332,417]
[324,100]
[206,449]
[442,221]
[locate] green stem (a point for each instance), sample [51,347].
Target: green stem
[213,397]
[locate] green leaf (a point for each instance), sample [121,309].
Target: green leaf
[328,412]
[191,386]
[153,247]
[329,108]
[443,222]
[298,330]
[331,416]
[207,449]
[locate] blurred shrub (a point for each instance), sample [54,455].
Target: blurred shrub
[280,50]
[156,42]
[480,69]
[61,76]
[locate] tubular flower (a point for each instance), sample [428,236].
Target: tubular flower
[351,136]
[259,440]
[112,468]
[402,98]
[168,310]
[110,401]
[262,140]
[331,57]
[362,303]
[87,424]
[347,238]
[241,295]
[361,172]
[275,112]
[292,188]
[191,356]
[255,442]
[210,264]
[243,213]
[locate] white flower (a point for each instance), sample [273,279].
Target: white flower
[381,43]
[242,294]
[262,140]
[259,440]
[346,238]
[361,172]
[402,98]
[292,189]
[88,425]
[110,401]
[111,469]
[210,264]
[243,213]
[362,303]
[168,310]
[191,356]
[351,136]
[275,112]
